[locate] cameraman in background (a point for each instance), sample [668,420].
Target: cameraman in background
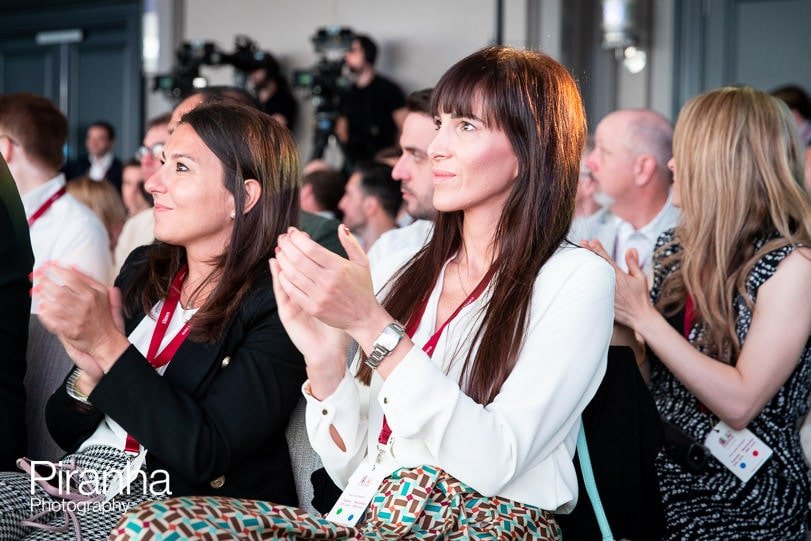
[273,93]
[372,110]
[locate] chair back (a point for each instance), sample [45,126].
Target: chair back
[624,438]
[48,366]
[302,456]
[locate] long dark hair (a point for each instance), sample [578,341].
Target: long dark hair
[249,145]
[535,101]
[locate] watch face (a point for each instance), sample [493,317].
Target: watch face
[388,338]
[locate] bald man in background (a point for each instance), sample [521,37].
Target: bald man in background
[629,163]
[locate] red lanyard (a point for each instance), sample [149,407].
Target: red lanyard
[430,345]
[689,316]
[46,205]
[161,326]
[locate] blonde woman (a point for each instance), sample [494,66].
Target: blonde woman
[105,202]
[728,320]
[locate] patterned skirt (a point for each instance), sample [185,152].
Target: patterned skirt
[28,512]
[421,503]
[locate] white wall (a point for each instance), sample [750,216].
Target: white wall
[418,40]
[169,18]
[661,59]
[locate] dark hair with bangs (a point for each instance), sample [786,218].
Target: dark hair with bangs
[535,102]
[249,145]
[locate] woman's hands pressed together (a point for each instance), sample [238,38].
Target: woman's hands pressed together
[323,300]
[84,314]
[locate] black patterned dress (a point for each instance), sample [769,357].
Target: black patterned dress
[714,504]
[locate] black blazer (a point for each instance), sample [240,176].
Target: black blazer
[17,261]
[81,166]
[216,419]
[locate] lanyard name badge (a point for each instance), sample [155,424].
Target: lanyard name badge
[364,482]
[46,205]
[740,451]
[156,359]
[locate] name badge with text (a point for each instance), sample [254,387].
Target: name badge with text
[359,492]
[740,451]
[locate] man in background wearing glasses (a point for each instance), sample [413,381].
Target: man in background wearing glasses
[138,230]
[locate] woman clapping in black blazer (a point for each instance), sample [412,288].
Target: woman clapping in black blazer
[192,388]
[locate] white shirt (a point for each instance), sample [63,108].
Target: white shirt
[110,432]
[618,236]
[521,445]
[99,167]
[395,248]
[68,233]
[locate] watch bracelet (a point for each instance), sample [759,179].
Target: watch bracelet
[73,389]
[379,353]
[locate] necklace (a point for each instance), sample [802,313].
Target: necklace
[196,292]
[192,298]
[459,276]
[189,304]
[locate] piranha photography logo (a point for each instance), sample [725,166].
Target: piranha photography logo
[84,491]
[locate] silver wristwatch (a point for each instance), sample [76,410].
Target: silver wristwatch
[72,388]
[385,343]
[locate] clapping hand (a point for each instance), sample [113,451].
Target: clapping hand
[84,314]
[322,298]
[631,298]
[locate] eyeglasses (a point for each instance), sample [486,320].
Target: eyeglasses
[156,150]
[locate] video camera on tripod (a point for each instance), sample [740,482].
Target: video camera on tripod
[326,82]
[191,55]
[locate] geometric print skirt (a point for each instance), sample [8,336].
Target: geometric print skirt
[417,503]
